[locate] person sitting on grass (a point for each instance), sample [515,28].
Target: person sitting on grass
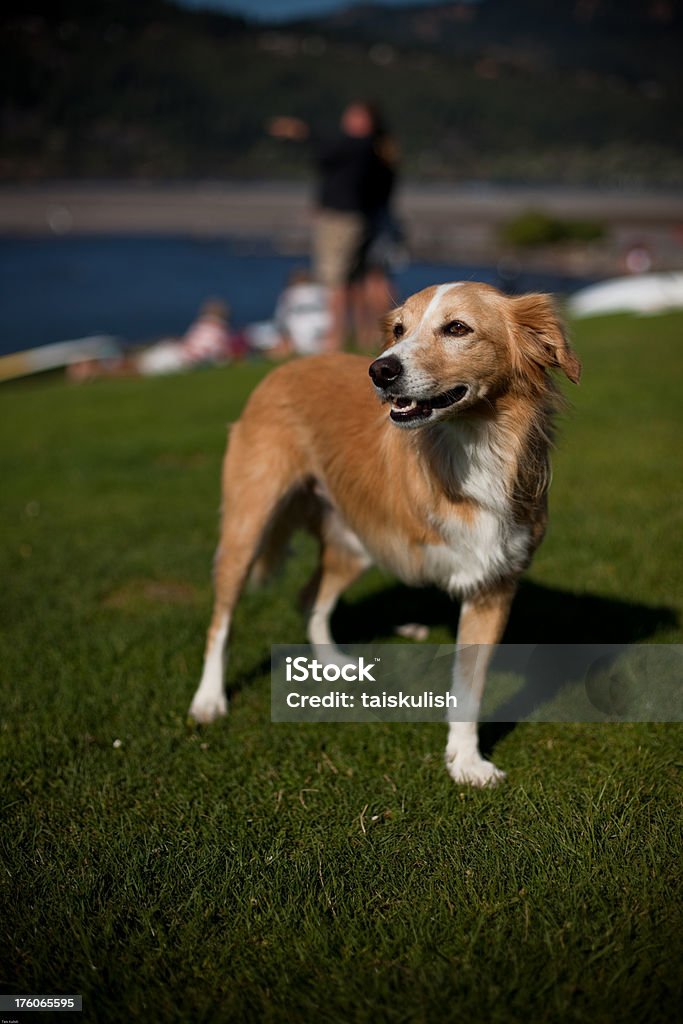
[301,322]
[207,342]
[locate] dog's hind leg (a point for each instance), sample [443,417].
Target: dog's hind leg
[342,560]
[210,701]
[253,488]
[482,623]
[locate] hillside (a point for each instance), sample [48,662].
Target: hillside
[568,92]
[638,41]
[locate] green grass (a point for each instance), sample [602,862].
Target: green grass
[257,872]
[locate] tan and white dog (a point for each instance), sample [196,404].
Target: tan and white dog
[443,480]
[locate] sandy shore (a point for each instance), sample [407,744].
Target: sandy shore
[459,223]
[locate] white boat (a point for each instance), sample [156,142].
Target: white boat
[637,293]
[61,353]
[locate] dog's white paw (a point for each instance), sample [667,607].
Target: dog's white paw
[473,771]
[208,709]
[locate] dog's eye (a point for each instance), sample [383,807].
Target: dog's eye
[456,329]
[399,330]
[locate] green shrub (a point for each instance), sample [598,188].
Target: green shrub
[534,227]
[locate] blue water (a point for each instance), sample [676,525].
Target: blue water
[141,288]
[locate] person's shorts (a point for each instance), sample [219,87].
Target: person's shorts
[337,240]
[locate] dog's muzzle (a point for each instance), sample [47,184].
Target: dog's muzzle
[406,410]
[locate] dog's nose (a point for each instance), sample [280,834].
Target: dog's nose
[385,370]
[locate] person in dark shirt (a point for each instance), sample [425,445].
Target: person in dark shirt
[356,175]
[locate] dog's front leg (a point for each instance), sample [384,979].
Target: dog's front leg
[482,622]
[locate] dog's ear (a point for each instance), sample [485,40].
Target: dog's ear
[540,337]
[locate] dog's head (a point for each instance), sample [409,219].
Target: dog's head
[453,346]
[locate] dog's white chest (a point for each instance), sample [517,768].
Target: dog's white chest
[490,545]
[476,553]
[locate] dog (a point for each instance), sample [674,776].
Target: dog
[443,480]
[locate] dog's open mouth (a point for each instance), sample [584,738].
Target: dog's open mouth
[404,409]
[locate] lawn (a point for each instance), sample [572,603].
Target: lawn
[258,872]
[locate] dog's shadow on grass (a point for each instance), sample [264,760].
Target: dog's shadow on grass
[540,615]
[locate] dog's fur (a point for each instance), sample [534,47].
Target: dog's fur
[451,493]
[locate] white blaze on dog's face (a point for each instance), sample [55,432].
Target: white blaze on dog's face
[453,345]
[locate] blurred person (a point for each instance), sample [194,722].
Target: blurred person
[207,342]
[357,173]
[301,323]
[303,314]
